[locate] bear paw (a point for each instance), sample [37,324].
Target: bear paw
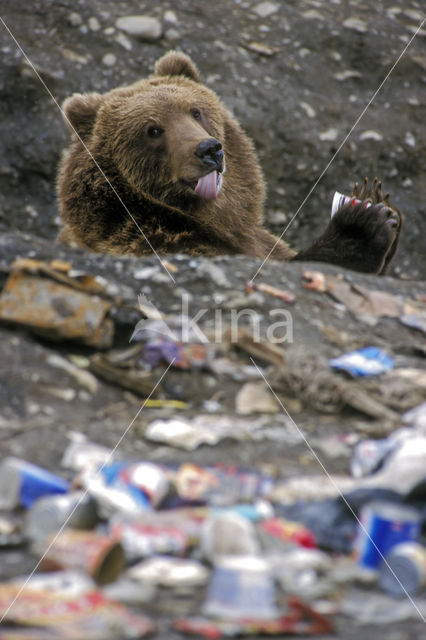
[363,234]
[373,225]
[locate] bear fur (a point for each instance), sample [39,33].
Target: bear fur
[161,165]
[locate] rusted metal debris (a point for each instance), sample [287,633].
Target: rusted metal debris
[46,299]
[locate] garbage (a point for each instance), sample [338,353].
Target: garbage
[286,296]
[369,361]
[97,554]
[227,534]
[11,533]
[118,367]
[384,525]
[141,539]
[370,455]
[90,615]
[130,591]
[21,483]
[255,397]
[48,300]
[221,485]
[289,531]
[83,455]
[404,570]
[211,429]
[145,482]
[166,571]
[49,514]
[369,305]
[302,619]
[239,587]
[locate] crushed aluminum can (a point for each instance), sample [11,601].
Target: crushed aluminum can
[220,485]
[97,554]
[146,482]
[340,200]
[404,570]
[22,482]
[384,525]
[141,540]
[370,455]
[83,455]
[74,510]
[369,361]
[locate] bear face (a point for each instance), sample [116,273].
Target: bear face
[164,141]
[162,146]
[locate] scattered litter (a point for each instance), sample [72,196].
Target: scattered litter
[382,526]
[48,300]
[369,361]
[286,296]
[255,397]
[168,571]
[21,483]
[97,554]
[89,616]
[211,429]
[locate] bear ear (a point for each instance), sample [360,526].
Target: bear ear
[80,111]
[176,63]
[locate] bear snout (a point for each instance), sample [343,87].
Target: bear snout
[210,152]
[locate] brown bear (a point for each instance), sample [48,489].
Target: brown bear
[161,165]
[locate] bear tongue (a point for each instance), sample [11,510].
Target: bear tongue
[207,186]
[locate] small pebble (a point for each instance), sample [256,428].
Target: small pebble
[371,135]
[170,16]
[109,59]
[356,25]
[75,19]
[123,41]
[94,24]
[144,27]
[330,135]
[265,9]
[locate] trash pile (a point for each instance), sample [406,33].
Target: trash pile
[241,552]
[123,545]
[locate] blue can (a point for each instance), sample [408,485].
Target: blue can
[384,525]
[22,482]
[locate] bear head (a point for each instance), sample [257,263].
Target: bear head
[163,136]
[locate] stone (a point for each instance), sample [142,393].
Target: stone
[330,135]
[75,19]
[371,135]
[143,27]
[266,9]
[170,16]
[94,24]
[123,41]
[109,59]
[355,24]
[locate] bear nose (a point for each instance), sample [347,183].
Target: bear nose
[210,152]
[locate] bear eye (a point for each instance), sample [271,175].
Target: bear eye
[154,131]
[196,114]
